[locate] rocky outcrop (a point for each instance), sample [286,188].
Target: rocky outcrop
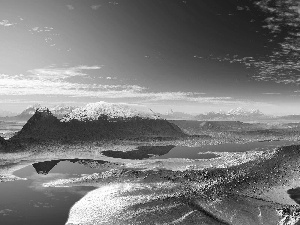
[3,143]
[44,126]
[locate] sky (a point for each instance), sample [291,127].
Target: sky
[192,56]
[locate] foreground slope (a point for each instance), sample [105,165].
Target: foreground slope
[262,192]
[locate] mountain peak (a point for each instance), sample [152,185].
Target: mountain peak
[93,111]
[242,111]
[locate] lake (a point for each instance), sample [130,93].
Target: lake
[28,202]
[203,152]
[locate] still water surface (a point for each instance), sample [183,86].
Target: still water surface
[203,152]
[27,202]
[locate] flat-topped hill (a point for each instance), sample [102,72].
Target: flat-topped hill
[44,126]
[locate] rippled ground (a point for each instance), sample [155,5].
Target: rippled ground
[251,187]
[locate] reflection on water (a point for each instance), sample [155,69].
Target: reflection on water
[203,152]
[142,152]
[295,194]
[29,203]
[160,152]
[63,167]
[200,152]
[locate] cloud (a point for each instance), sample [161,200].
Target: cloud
[70,7]
[6,23]
[282,65]
[95,7]
[283,19]
[53,81]
[113,3]
[62,73]
[271,93]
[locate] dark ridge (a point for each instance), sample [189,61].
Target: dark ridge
[10,146]
[3,143]
[143,152]
[44,126]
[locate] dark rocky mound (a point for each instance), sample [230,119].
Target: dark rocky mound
[3,143]
[44,126]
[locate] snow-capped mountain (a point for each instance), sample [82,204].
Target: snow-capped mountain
[30,110]
[243,112]
[234,114]
[111,111]
[97,121]
[172,115]
[58,111]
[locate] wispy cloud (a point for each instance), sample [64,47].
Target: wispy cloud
[53,81]
[95,7]
[270,93]
[282,64]
[70,7]
[6,23]
[46,33]
[62,73]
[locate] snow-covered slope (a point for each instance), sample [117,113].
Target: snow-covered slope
[60,110]
[93,111]
[244,112]
[234,114]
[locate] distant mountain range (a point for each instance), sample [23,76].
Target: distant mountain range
[114,110]
[238,114]
[171,115]
[58,111]
[4,113]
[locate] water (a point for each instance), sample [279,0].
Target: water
[200,152]
[8,129]
[203,152]
[28,202]
[294,194]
